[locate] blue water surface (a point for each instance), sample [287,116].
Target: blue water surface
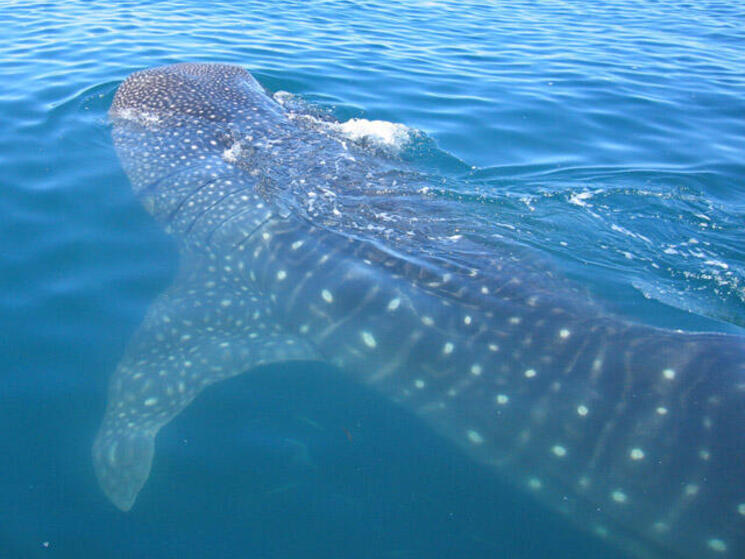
[609,137]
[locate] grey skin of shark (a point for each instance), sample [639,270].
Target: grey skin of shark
[295,245]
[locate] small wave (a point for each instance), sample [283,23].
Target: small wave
[692,297]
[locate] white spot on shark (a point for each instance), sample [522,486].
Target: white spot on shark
[600,531]
[636,454]
[534,483]
[368,339]
[112,452]
[619,496]
[559,451]
[474,436]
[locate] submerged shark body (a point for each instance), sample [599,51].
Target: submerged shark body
[296,246]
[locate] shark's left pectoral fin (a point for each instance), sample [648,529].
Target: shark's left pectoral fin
[207,327]
[122,458]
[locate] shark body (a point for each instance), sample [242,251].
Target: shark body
[290,249]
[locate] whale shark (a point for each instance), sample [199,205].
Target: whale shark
[296,244]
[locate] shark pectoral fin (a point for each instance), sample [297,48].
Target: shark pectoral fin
[122,459]
[198,332]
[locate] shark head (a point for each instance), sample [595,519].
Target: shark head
[182,127]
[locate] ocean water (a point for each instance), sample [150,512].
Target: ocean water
[608,138]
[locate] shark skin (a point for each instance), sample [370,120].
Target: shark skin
[291,249]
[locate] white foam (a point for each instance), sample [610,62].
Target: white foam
[624,231]
[717,263]
[283,97]
[232,153]
[389,136]
[578,198]
[382,133]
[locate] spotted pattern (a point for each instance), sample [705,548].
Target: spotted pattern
[633,432]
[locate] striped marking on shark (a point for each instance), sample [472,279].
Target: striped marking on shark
[291,249]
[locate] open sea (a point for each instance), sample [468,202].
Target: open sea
[607,137]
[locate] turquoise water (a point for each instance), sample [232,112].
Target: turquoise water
[609,139]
